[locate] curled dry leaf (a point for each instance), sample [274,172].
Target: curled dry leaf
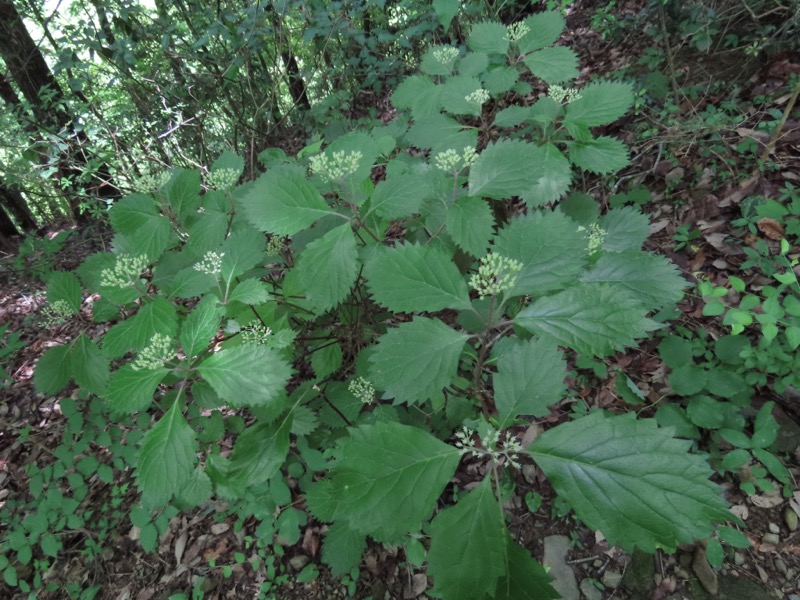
[771,228]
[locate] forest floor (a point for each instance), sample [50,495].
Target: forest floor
[692,190]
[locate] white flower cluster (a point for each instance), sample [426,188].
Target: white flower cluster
[496,274]
[479,97]
[126,269]
[155,354]
[597,235]
[517,31]
[337,166]
[55,313]
[211,263]
[451,161]
[255,334]
[222,179]
[489,446]
[445,55]
[152,182]
[362,389]
[275,245]
[559,94]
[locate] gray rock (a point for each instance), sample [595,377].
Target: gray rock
[790,518]
[529,473]
[298,562]
[704,572]
[555,557]
[738,559]
[780,566]
[589,591]
[611,579]
[773,528]
[771,538]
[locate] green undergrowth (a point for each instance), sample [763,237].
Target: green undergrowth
[354,336]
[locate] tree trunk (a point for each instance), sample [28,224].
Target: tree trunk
[12,200]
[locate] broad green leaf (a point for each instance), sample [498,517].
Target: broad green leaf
[131,213]
[258,454]
[512,116]
[342,547]
[548,245]
[65,287]
[158,316]
[706,412]
[53,371]
[200,326]
[419,94]
[246,375]
[89,365]
[366,145]
[183,192]
[166,457]
[490,37]
[207,233]
[470,223]
[626,228]
[413,278]
[602,155]
[468,554]
[553,65]
[503,169]
[131,391]
[525,578]
[600,104]
[414,361]
[400,196]
[151,239]
[244,249]
[649,278]
[283,202]
[326,360]
[328,267]
[544,29]
[250,291]
[632,481]
[189,283]
[197,490]
[455,93]
[551,177]
[440,133]
[388,477]
[500,80]
[473,64]
[431,65]
[530,377]
[446,10]
[592,318]
[509,168]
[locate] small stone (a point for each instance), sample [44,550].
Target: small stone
[685,559]
[681,573]
[738,559]
[611,579]
[790,573]
[529,473]
[556,548]
[780,566]
[790,518]
[597,564]
[771,538]
[298,562]
[762,573]
[704,572]
[774,528]
[589,591]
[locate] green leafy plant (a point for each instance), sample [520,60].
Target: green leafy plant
[383,328]
[9,343]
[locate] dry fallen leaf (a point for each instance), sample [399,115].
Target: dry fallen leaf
[767,500]
[771,228]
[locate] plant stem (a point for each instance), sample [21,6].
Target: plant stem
[770,148]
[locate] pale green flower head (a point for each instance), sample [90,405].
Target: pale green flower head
[55,313]
[125,272]
[211,263]
[222,179]
[501,448]
[337,166]
[479,97]
[563,95]
[362,389]
[597,236]
[155,354]
[445,55]
[256,334]
[517,31]
[451,161]
[152,182]
[496,274]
